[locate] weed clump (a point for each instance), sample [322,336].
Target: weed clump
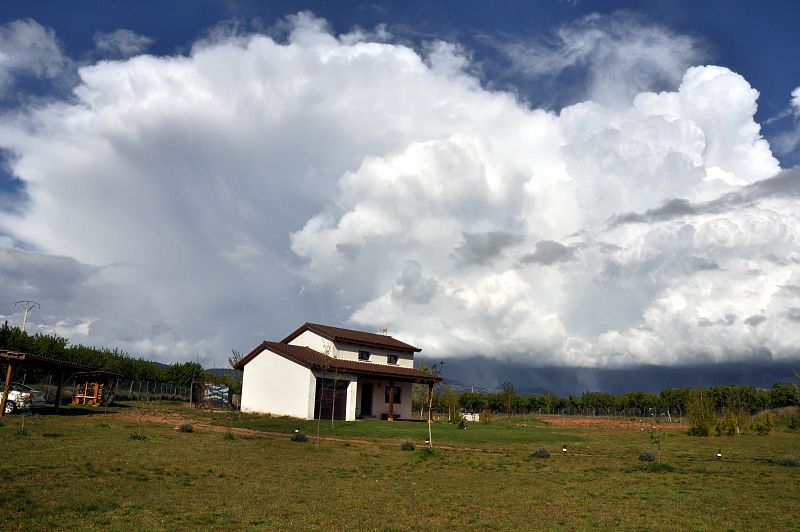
[790,461]
[541,452]
[137,436]
[407,445]
[186,427]
[299,437]
[426,452]
[647,456]
[229,436]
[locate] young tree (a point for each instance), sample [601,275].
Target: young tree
[449,399]
[435,371]
[508,398]
[419,392]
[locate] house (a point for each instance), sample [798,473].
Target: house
[333,371]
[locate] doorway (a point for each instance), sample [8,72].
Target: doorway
[366,399]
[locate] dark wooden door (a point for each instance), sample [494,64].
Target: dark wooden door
[327,395]
[366,399]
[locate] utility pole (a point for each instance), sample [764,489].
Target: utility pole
[27,305]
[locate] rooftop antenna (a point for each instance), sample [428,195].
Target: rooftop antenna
[384,330]
[28,306]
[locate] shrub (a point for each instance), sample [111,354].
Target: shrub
[186,427]
[2,424]
[541,452]
[229,436]
[647,456]
[762,424]
[299,437]
[660,467]
[699,412]
[790,461]
[697,431]
[792,422]
[729,424]
[137,436]
[407,445]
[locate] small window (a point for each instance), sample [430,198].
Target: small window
[392,359]
[396,394]
[363,355]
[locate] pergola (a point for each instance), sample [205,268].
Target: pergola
[60,367]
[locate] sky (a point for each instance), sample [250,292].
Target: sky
[561,184]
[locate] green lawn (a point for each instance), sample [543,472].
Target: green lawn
[84,470]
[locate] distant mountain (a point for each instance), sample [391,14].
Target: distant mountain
[226,372]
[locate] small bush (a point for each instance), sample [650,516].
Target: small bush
[103,425]
[407,445]
[2,424]
[790,461]
[186,427]
[647,456]
[299,437]
[229,436]
[792,422]
[137,436]
[698,431]
[541,452]
[660,467]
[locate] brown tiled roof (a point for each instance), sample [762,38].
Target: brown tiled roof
[338,334]
[315,360]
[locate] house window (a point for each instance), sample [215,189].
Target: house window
[392,359]
[363,355]
[397,400]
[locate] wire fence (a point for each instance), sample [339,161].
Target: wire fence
[123,390]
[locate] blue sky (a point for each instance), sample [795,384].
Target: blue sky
[579,184]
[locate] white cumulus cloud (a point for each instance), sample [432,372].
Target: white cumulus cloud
[27,47]
[212,200]
[122,42]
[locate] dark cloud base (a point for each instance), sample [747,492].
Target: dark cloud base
[483,373]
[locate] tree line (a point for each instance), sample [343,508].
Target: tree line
[111,360]
[671,402]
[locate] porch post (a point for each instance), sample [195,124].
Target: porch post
[5,390]
[390,415]
[59,388]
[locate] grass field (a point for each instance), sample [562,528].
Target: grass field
[80,470]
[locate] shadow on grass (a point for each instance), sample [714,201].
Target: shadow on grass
[69,410]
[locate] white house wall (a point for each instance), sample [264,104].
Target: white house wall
[275,385]
[312,340]
[347,351]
